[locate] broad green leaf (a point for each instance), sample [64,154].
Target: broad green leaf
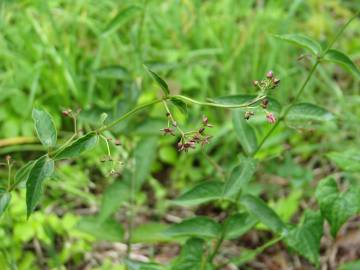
[337,207]
[202,227]
[42,169]
[244,132]
[239,177]
[192,256]
[348,160]
[181,105]
[163,85]
[78,147]
[305,115]
[135,265]
[238,224]
[5,198]
[108,230]
[273,106]
[204,192]
[302,41]
[264,213]
[114,196]
[22,174]
[112,72]
[45,127]
[145,155]
[305,238]
[120,19]
[343,60]
[150,233]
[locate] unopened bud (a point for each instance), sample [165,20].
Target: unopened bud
[270,74]
[264,104]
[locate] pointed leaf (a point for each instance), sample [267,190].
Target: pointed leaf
[347,160]
[45,127]
[343,60]
[5,198]
[22,174]
[181,105]
[108,230]
[78,147]
[337,207]
[120,19]
[264,213]
[307,115]
[239,177]
[204,192]
[114,196]
[244,132]
[238,224]
[305,238]
[302,41]
[192,256]
[202,227]
[42,169]
[163,85]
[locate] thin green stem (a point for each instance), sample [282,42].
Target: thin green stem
[218,105]
[173,120]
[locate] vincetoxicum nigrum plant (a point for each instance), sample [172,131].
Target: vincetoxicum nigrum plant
[204,235]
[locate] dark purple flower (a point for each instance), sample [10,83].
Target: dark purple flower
[168,131]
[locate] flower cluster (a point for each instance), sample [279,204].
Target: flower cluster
[264,86]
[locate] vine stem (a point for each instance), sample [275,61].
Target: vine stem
[286,111]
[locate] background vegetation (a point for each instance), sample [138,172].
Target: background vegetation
[64,54]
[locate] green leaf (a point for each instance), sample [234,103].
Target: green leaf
[181,105]
[22,174]
[204,192]
[305,115]
[348,160]
[114,196]
[305,238]
[78,147]
[264,213]
[202,227]
[108,230]
[135,265]
[5,198]
[150,233]
[238,224]
[239,177]
[337,207]
[302,41]
[112,72]
[355,265]
[145,155]
[343,60]
[273,106]
[45,127]
[120,19]
[191,256]
[42,169]
[244,132]
[163,85]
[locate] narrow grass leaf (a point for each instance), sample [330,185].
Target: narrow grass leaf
[264,213]
[343,60]
[42,169]
[302,41]
[45,127]
[120,19]
[5,198]
[112,72]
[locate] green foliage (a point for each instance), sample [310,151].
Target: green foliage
[45,127]
[134,265]
[305,237]
[343,60]
[244,132]
[202,227]
[163,85]
[302,41]
[22,174]
[181,105]
[238,224]
[5,198]
[347,160]
[42,169]
[337,207]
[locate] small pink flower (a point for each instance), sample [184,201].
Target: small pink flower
[270,117]
[269,75]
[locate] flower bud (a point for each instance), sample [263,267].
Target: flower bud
[270,117]
[269,75]
[264,103]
